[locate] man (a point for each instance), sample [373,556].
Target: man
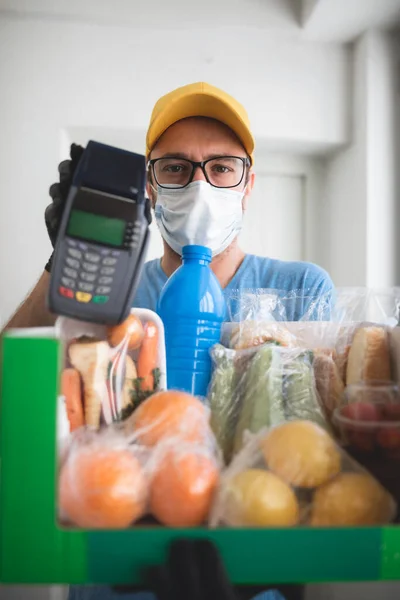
[200,150]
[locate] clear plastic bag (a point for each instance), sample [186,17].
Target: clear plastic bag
[295,474]
[372,305]
[294,319]
[260,387]
[279,305]
[103,481]
[161,464]
[341,305]
[321,356]
[184,478]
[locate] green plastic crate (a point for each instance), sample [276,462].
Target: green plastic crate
[34,549]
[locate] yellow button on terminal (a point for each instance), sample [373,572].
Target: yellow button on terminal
[83,297]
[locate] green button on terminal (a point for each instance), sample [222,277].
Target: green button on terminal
[100,299]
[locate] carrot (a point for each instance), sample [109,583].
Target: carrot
[71,390]
[148,354]
[129,331]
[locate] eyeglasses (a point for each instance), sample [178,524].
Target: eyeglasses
[220,172]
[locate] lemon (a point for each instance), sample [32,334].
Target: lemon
[352,499]
[301,453]
[257,498]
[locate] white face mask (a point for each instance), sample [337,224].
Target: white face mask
[199,214]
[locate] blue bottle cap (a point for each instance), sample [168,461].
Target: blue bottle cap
[195,251]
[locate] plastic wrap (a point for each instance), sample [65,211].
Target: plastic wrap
[107,372]
[273,369]
[260,387]
[280,305]
[290,319]
[339,305]
[295,474]
[161,464]
[103,481]
[373,305]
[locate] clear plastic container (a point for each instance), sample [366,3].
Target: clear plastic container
[369,429]
[112,397]
[382,392]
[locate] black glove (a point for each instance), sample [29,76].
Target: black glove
[59,193]
[194,570]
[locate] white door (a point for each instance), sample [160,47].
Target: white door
[274,223]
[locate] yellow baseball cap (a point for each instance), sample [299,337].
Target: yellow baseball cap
[199,100]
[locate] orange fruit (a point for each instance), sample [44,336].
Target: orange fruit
[168,414]
[182,488]
[131,330]
[102,488]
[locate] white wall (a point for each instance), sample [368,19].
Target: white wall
[344,220]
[383,159]
[55,77]
[361,192]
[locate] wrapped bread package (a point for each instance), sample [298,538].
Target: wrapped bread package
[329,383]
[295,474]
[369,356]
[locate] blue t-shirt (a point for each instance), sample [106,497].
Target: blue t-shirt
[301,285]
[304,289]
[96,592]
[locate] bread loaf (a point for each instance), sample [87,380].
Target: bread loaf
[341,359]
[369,356]
[249,334]
[329,384]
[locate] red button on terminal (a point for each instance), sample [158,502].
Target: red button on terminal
[66,292]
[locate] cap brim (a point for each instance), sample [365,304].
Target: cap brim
[200,105]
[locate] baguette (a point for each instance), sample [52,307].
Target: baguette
[369,356]
[341,360]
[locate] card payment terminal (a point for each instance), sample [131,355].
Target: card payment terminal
[102,239]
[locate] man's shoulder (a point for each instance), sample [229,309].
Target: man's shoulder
[281,274]
[151,266]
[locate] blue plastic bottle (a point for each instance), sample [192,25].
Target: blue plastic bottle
[192,308]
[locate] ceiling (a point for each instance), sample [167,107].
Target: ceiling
[344,20]
[336,21]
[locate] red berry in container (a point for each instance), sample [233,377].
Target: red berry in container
[391,412]
[362,411]
[389,437]
[362,440]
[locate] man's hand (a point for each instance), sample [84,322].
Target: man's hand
[194,570]
[59,193]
